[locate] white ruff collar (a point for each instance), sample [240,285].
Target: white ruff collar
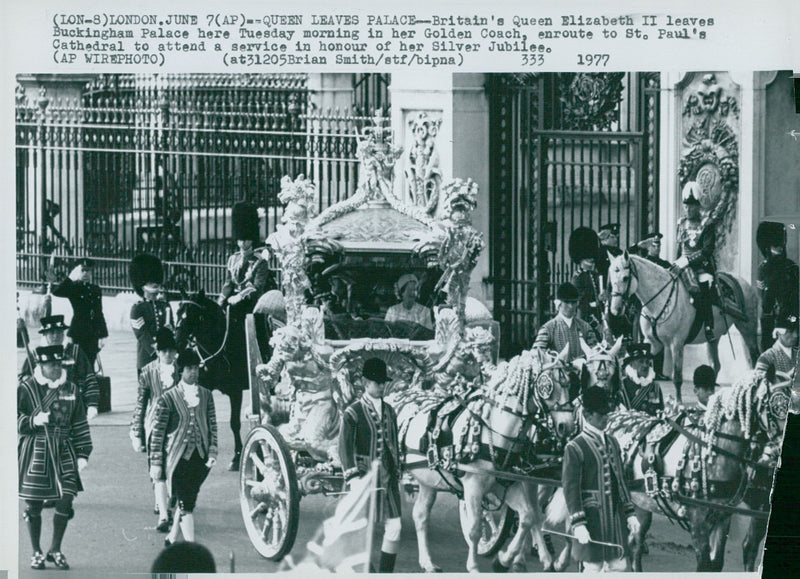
[633,376]
[167,374]
[191,394]
[40,378]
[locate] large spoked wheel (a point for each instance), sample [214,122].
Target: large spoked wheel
[495,527]
[268,493]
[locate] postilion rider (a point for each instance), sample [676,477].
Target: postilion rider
[368,433]
[566,327]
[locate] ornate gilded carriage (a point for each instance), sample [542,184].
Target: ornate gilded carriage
[338,275]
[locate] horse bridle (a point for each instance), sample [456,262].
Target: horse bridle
[672,284]
[199,350]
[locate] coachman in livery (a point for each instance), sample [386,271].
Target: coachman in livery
[778,279]
[152,312]
[54,445]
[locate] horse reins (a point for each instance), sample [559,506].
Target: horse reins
[197,346]
[672,284]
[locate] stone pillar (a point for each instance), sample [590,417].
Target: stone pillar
[450,115]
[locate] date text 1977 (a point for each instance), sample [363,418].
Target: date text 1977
[593,59]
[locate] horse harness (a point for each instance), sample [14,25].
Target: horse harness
[203,353]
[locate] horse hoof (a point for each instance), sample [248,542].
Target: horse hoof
[234,465]
[430,569]
[498,567]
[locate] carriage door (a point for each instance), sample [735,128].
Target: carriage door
[567,149]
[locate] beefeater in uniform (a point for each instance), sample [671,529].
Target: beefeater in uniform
[54,446]
[598,501]
[778,279]
[782,356]
[152,312]
[76,363]
[369,433]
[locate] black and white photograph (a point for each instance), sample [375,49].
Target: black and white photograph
[404,320]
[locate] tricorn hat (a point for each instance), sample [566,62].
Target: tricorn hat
[54,353]
[375,370]
[787,322]
[567,292]
[165,340]
[596,399]
[245,222]
[637,351]
[770,234]
[583,244]
[144,269]
[50,323]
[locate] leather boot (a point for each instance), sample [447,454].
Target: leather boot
[386,563]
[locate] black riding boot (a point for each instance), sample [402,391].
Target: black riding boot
[386,563]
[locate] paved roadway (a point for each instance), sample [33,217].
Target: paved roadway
[113,529]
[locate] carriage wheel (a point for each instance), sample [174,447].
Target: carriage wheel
[495,528]
[268,493]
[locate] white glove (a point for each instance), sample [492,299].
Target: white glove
[137,445]
[682,262]
[633,525]
[41,418]
[82,464]
[76,273]
[581,533]
[233,300]
[155,472]
[211,462]
[91,412]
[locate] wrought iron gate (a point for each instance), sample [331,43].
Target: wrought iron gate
[567,149]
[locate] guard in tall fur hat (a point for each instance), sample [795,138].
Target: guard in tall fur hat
[695,260]
[597,498]
[54,446]
[778,279]
[247,278]
[88,326]
[639,380]
[368,433]
[584,247]
[153,311]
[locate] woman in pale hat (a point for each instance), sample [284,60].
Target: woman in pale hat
[183,447]
[408,310]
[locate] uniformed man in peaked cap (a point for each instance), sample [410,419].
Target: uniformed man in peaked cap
[152,312]
[584,248]
[247,278]
[778,279]
[696,242]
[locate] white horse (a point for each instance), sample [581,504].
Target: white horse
[667,311]
[526,399]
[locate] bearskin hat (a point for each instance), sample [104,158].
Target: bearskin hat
[583,244]
[245,222]
[145,268]
[770,234]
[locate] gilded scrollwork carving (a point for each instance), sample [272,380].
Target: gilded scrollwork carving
[422,171]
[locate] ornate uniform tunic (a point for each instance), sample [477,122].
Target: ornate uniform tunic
[696,242]
[556,334]
[151,388]
[365,437]
[645,398]
[589,306]
[79,371]
[88,323]
[48,454]
[147,317]
[596,495]
[248,276]
[777,359]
